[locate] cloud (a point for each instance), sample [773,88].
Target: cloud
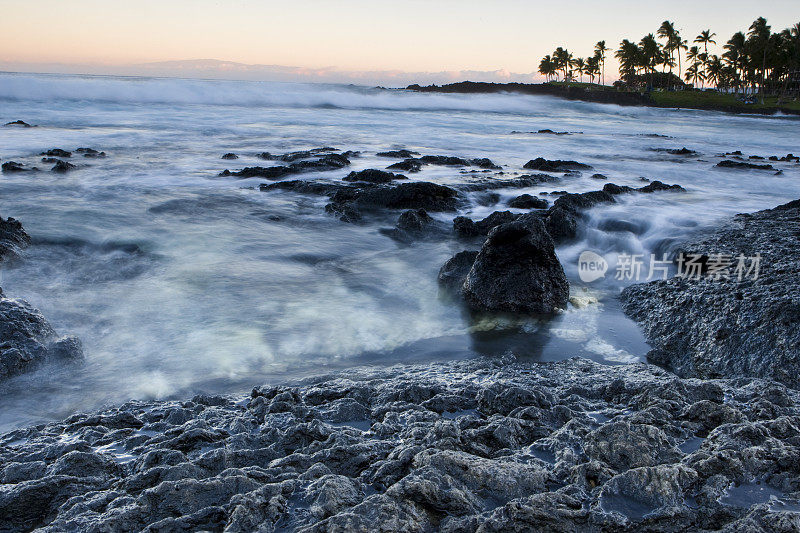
[216,69]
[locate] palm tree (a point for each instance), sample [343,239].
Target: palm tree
[650,54]
[580,66]
[680,44]
[546,67]
[735,55]
[593,67]
[704,38]
[759,34]
[694,74]
[628,56]
[600,51]
[714,70]
[668,32]
[563,60]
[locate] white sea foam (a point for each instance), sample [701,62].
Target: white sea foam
[227,287]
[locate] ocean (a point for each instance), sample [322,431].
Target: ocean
[179,281]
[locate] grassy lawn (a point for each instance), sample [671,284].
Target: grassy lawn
[583,85]
[713,98]
[696,99]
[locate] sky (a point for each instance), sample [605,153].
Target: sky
[374,41]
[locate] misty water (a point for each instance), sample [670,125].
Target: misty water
[178,281]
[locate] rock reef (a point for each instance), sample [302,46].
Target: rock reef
[481,445]
[28,340]
[718,325]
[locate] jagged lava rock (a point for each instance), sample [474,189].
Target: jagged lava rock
[517,271]
[710,327]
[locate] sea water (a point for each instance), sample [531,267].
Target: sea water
[178,281]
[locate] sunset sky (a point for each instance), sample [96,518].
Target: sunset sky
[351,35]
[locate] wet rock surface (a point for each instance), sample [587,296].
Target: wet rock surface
[12,166]
[414,225]
[27,340]
[19,123]
[465,227]
[398,154]
[372,175]
[13,238]
[517,271]
[727,163]
[90,153]
[352,202]
[298,163]
[556,165]
[480,445]
[62,167]
[563,219]
[518,182]
[712,326]
[526,201]
[57,152]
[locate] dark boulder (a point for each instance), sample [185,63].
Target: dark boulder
[467,228]
[656,186]
[414,225]
[484,163]
[90,152]
[444,160]
[407,165]
[230,155]
[454,272]
[727,163]
[13,166]
[57,152]
[305,154]
[676,151]
[19,123]
[556,165]
[304,186]
[13,239]
[326,162]
[28,340]
[62,167]
[526,201]
[414,220]
[398,154]
[599,177]
[412,164]
[415,195]
[372,175]
[563,218]
[517,271]
[519,182]
[271,173]
[682,151]
[487,199]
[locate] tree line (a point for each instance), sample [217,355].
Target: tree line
[756,61]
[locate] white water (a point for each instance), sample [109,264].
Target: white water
[178,281]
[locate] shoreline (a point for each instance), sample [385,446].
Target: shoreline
[484,444]
[605,96]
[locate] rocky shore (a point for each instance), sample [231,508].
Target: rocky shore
[724,323]
[705,439]
[483,445]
